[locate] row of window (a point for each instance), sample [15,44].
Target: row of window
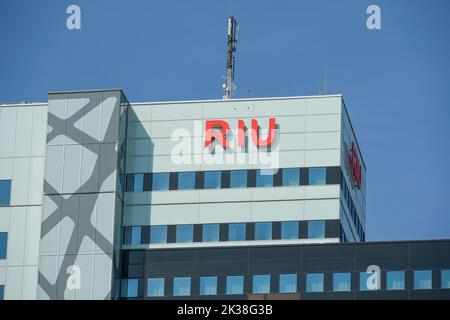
[352,208]
[3,244]
[139,182]
[286,283]
[184,233]
[5,193]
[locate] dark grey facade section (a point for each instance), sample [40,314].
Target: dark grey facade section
[326,259]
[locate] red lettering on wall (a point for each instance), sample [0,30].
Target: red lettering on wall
[355,166]
[255,133]
[241,133]
[216,129]
[219,129]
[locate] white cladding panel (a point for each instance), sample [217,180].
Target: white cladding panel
[22,159]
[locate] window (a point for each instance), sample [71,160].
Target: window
[445,279]
[263,231]
[314,282]
[238,179]
[186,180]
[130,288]
[138,184]
[363,277]
[289,230]
[3,244]
[316,229]
[2,292]
[5,192]
[185,233]
[317,176]
[264,178]
[236,231]
[395,280]
[261,283]
[155,287]
[160,181]
[288,283]
[341,281]
[208,286]
[132,235]
[422,279]
[212,179]
[291,177]
[158,234]
[235,284]
[181,286]
[210,233]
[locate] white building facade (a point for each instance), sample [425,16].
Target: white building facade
[88,175]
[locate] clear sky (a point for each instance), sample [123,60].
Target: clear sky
[395,80]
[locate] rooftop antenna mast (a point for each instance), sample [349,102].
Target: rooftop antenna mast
[323,84]
[233,30]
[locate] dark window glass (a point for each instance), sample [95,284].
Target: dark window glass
[3,244]
[341,281]
[210,232]
[155,287]
[2,292]
[158,234]
[212,179]
[445,279]
[316,229]
[130,182]
[291,177]
[130,288]
[238,179]
[236,231]
[289,230]
[185,233]
[186,180]
[235,284]
[208,286]
[317,176]
[288,283]
[422,279]
[264,178]
[363,285]
[314,282]
[263,231]
[5,192]
[138,185]
[132,235]
[261,283]
[395,280]
[181,286]
[160,181]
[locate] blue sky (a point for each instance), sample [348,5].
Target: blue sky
[395,80]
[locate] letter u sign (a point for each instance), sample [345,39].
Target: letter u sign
[218,130]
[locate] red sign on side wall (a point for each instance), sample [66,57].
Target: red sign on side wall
[353,166]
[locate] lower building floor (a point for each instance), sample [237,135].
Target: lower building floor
[371,270]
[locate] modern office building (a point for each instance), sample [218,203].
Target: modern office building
[245,198]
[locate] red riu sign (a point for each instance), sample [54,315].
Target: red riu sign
[219,129]
[354,166]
